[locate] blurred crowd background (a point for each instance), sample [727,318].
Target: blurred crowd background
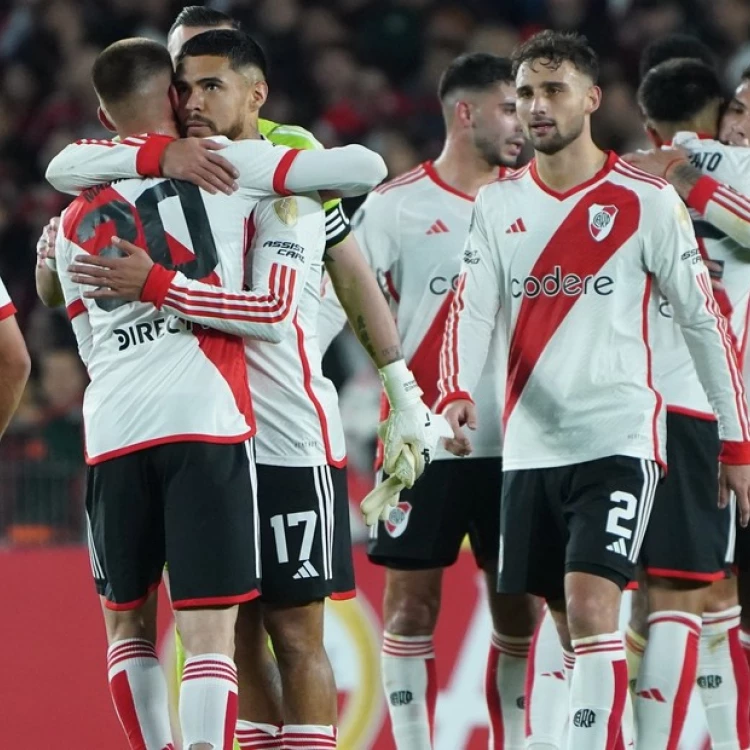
[350,70]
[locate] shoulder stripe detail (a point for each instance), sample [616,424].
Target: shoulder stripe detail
[406,179]
[733,201]
[634,173]
[97,142]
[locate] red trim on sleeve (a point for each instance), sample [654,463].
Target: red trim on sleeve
[702,192]
[282,170]
[735,452]
[147,162]
[75,308]
[455,396]
[7,310]
[157,285]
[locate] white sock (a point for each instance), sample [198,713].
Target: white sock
[208,701]
[253,735]
[139,692]
[410,684]
[723,680]
[598,692]
[547,689]
[666,678]
[504,687]
[308,737]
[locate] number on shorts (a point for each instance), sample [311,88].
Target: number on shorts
[279,525]
[618,514]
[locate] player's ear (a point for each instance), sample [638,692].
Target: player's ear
[462,113]
[656,140]
[104,120]
[259,94]
[593,99]
[174,97]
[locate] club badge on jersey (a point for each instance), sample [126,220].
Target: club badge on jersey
[601,220]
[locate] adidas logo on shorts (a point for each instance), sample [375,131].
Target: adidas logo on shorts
[618,547]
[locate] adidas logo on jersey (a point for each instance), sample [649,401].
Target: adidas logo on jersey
[306,570]
[618,547]
[438,227]
[516,226]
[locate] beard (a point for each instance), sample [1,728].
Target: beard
[556,141]
[491,152]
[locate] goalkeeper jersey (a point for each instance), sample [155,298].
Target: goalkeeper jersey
[571,277]
[721,219]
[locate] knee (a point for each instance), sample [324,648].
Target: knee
[251,639]
[588,615]
[411,613]
[207,631]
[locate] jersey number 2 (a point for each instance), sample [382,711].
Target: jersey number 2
[625,513]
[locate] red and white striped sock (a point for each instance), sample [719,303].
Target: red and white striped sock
[253,735]
[410,684]
[139,692]
[308,737]
[724,680]
[547,693]
[504,686]
[208,701]
[597,693]
[569,664]
[666,678]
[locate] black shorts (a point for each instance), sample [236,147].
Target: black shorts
[742,548]
[453,498]
[190,505]
[689,536]
[585,518]
[305,538]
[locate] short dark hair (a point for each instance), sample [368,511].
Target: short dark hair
[555,48]
[198,15]
[477,71]
[673,46]
[238,47]
[125,66]
[745,75]
[676,90]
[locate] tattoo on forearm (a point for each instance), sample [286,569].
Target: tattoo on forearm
[387,355]
[364,337]
[683,178]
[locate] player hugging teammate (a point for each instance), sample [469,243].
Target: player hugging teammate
[562,318]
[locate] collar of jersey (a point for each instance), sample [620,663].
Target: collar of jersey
[608,164]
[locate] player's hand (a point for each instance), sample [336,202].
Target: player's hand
[658,161]
[418,428]
[459,414]
[197,160]
[114,277]
[735,478]
[45,246]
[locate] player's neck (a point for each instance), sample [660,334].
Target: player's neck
[574,165]
[703,126]
[463,169]
[138,126]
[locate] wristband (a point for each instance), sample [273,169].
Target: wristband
[399,384]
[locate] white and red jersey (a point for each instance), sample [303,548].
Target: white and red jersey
[412,231]
[572,278]
[716,201]
[296,407]
[7,308]
[158,372]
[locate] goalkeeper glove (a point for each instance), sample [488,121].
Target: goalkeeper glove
[410,422]
[378,503]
